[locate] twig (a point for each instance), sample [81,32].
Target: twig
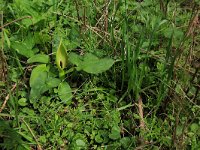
[3,66]
[7,98]
[106,16]
[38,144]
[193,24]
[19,19]
[140,108]
[142,123]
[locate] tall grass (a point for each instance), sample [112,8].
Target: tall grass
[141,107]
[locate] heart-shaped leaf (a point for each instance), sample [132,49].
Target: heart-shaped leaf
[65,92]
[38,76]
[90,63]
[41,58]
[41,81]
[37,81]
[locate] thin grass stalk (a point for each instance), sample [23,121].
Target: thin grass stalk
[128,51]
[3,63]
[141,73]
[168,58]
[131,71]
[166,74]
[112,30]
[124,46]
[184,38]
[123,65]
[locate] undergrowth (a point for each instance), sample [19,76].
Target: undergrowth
[100,74]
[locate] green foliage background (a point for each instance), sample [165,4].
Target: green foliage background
[82,66]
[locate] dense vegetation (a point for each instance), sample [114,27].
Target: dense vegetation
[119,74]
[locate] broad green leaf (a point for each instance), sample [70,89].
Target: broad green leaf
[61,56]
[194,127]
[38,76]
[22,101]
[115,133]
[90,63]
[65,92]
[80,143]
[25,47]
[41,81]
[27,8]
[98,138]
[6,37]
[38,80]
[22,49]
[41,58]
[52,82]
[41,37]
[76,59]
[126,141]
[31,21]
[28,111]
[29,41]
[37,92]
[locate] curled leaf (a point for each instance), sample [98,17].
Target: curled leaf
[61,57]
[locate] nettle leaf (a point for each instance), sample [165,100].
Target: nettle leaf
[25,47]
[115,133]
[41,37]
[90,63]
[22,101]
[98,138]
[22,49]
[61,57]
[27,8]
[80,143]
[41,58]
[194,127]
[65,92]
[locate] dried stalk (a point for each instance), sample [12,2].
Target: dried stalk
[140,108]
[7,98]
[3,63]
[16,20]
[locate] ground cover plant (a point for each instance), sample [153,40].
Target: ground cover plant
[99,74]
